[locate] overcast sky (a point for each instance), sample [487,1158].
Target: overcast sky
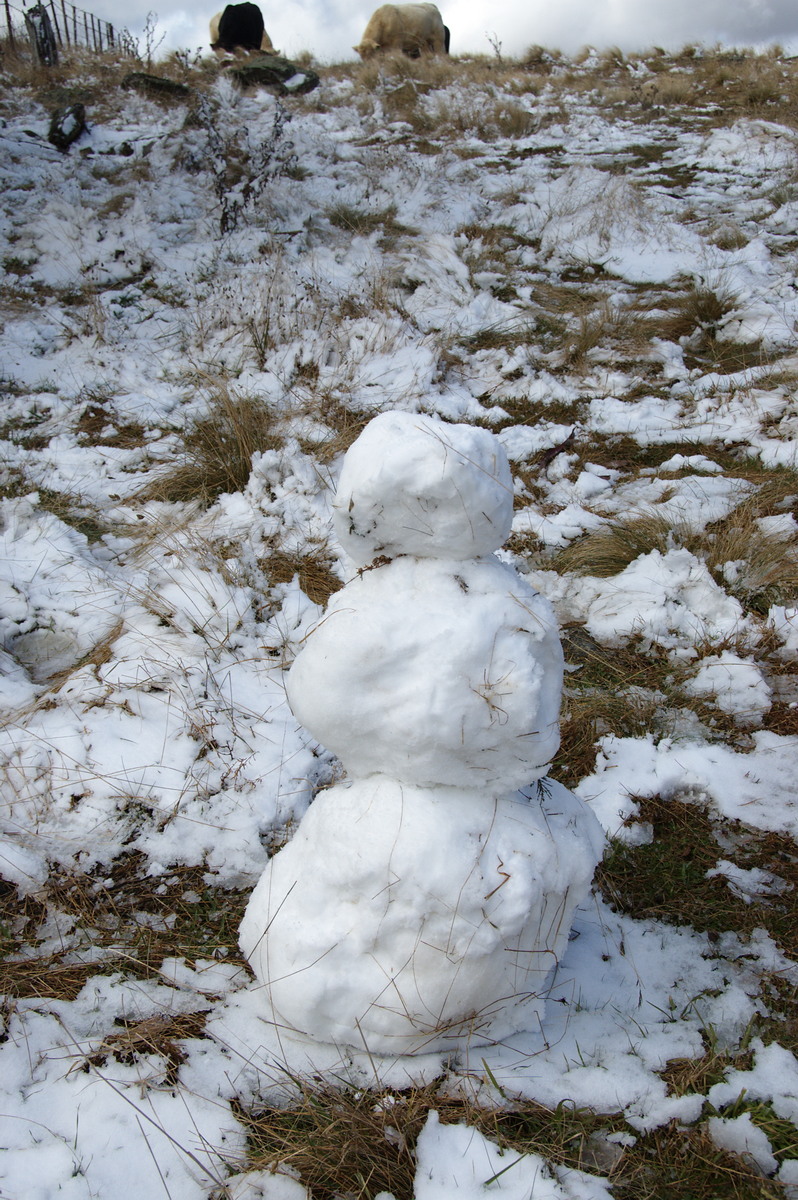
[329,28]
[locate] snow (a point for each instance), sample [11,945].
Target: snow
[457,1160]
[143,667]
[485,705]
[736,684]
[754,787]
[743,1137]
[666,599]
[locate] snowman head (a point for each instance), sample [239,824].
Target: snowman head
[412,484]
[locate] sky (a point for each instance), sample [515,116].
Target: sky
[329,28]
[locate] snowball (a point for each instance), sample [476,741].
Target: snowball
[412,484]
[402,919]
[434,672]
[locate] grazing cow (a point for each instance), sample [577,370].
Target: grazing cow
[238,29]
[412,29]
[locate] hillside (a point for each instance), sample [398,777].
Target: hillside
[206,299]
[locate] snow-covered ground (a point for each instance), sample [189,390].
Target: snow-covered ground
[489,252]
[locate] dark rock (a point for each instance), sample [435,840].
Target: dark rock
[271,71]
[66,126]
[155,85]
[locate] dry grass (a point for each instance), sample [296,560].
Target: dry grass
[486,115]
[217,450]
[611,549]
[586,716]
[160,1035]
[99,425]
[759,569]
[316,577]
[338,423]
[124,923]
[363,221]
[620,690]
[357,1145]
[666,880]
[72,509]
[729,236]
[603,325]
[699,310]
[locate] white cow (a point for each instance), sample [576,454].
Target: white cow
[411,29]
[238,30]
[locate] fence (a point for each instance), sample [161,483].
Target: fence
[71,26]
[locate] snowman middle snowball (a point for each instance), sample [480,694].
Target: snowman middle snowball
[424,901]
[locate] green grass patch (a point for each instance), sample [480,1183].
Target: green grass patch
[666,880]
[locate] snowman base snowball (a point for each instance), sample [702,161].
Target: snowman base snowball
[430,917]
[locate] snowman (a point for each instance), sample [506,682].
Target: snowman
[424,901]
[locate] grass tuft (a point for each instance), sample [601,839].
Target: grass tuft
[127,923]
[609,550]
[316,577]
[217,450]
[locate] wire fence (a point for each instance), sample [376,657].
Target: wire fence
[69,26]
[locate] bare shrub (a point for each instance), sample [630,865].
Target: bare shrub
[239,165]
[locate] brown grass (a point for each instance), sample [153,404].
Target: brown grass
[217,450]
[364,221]
[118,910]
[611,549]
[340,1143]
[316,577]
[160,1035]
